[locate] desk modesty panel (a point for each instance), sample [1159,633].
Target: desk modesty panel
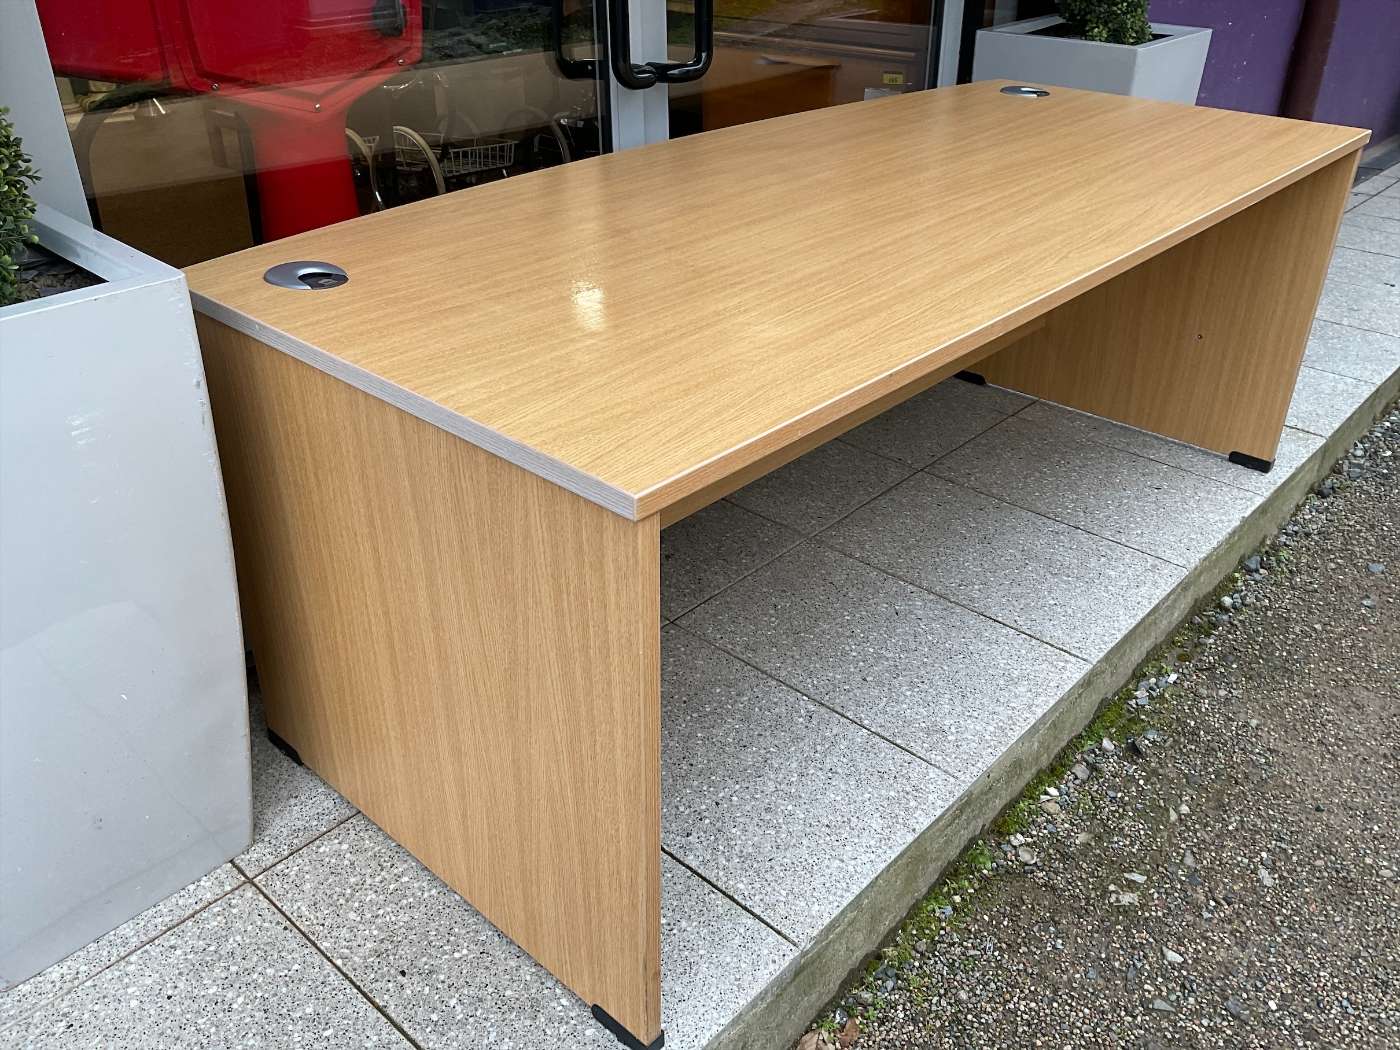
[635,325]
[447,478]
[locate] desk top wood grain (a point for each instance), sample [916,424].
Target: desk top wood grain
[639,325]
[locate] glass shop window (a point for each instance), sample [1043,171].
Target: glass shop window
[202,127]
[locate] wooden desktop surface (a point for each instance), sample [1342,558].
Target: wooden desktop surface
[639,325]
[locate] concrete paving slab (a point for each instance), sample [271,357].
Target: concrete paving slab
[84,964]
[1294,447]
[1370,356]
[946,683]
[451,979]
[235,975]
[1375,184]
[1381,205]
[291,804]
[784,805]
[1322,400]
[1062,585]
[1362,290]
[1370,233]
[709,550]
[935,422]
[821,487]
[1055,469]
[428,958]
[716,958]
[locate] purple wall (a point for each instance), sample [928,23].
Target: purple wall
[1250,47]
[1361,83]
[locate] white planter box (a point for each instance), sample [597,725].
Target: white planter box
[1168,68]
[124,766]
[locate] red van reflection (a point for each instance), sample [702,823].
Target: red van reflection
[292,68]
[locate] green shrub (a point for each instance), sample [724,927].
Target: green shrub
[16,206]
[1108,21]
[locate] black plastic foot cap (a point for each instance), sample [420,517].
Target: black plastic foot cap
[1244,459]
[625,1037]
[972,377]
[284,747]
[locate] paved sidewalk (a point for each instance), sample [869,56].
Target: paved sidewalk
[1219,868]
[867,654]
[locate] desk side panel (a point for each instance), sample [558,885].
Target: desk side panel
[467,652]
[1203,342]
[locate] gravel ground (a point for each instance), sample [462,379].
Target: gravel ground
[1216,863]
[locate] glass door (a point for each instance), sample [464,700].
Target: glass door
[774,57]
[768,58]
[204,126]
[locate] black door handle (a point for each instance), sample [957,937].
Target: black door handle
[703,52]
[641,75]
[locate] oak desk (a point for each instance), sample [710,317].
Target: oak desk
[447,478]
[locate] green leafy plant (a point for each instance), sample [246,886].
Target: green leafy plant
[1108,21]
[16,207]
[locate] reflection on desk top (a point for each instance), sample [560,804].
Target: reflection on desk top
[638,325]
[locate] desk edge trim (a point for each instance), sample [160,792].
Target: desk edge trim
[521,455]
